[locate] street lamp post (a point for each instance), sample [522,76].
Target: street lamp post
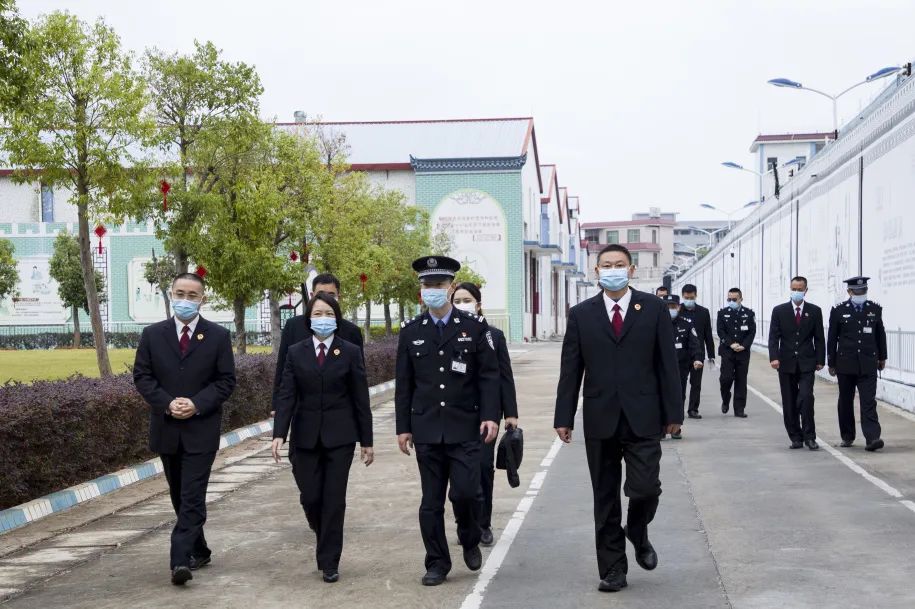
[694,251]
[708,234]
[791,84]
[730,213]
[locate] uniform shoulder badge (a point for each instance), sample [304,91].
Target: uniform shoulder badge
[489,338]
[407,322]
[481,319]
[693,330]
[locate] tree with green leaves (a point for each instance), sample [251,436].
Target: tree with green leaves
[64,268]
[159,272]
[9,272]
[82,118]
[468,274]
[191,95]
[14,44]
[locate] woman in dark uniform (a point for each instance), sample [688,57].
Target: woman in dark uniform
[324,398]
[467,297]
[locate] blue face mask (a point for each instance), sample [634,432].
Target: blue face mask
[614,279]
[185,309]
[733,304]
[434,298]
[673,313]
[689,303]
[859,299]
[323,326]
[797,297]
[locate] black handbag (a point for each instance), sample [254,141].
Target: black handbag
[510,453]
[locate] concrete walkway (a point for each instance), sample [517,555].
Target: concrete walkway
[744,522]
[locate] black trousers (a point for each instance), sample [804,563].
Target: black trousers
[439,466]
[643,486]
[734,370]
[188,475]
[322,475]
[867,394]
[487,482]
[685,366]
[797,404]
[695,389]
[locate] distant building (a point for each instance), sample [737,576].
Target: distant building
[648,236]
[787,152]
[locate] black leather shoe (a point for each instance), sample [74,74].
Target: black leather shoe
[486,537]
[434,578]
[847,443]
[614,581]
[181,575]
[875,445]
[473,558]
[741,415]
[694,415]
[725,407]
[645,555]
[676,436]
[331,576]
[195,563]
[812,444]
[796,444]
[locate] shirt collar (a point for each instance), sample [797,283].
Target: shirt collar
[622,302]
[192,325]
[445,319]
[327,341]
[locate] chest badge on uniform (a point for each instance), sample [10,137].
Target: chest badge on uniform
[336,351]
[637,307]
[200,337]
[418,342]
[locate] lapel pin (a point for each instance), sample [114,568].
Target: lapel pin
[200,337]
[336,351]
[637,307]
[464,334]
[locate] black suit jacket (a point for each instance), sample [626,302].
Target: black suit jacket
[436,398]
[797,348]
[857,341]
[298,329]
[636,374]
[205,375]
[506,378]
[329,403]
[702,322]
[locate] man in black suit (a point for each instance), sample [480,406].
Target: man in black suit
[297,328]
[448,398]
[702,322]
[622,342]
[736,332]
[797,349]
[185,370]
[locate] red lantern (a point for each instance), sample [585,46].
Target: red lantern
[200,271]
[164,187]
[363,278]
[293,256]
[100,231]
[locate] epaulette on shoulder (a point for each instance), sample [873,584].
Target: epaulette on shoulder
[407,322]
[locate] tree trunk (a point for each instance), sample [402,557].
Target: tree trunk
[401,312]
[168,307]
[241,337]
[77,335]
[368,321]
[85,258]
[275,323]
[181,261]
[387,318]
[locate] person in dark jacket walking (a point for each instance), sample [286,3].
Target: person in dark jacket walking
[686,342]
[702,322]
[736,331]
[467,297]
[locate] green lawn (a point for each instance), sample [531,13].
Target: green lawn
[27,366]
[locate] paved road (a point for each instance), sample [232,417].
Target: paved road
[744,522]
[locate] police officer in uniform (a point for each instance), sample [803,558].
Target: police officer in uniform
[736,331]
[686,342]
[447,402]
[856,351]
[702,322]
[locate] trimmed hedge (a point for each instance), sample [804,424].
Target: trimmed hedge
[55,434]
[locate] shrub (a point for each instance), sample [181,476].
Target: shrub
[377,332]
[54,434]
[114,340]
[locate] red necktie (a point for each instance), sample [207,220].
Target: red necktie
[797,316]
[321,356]
[185,340]
[617,321]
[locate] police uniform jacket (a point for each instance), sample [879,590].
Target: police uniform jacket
[329,403]
[736,326]
[797,347]
[506,378]
[702,322]
[856,341]
[446,387]
[686,341]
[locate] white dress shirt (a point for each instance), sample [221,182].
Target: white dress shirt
[326,342]
[794,307]
[191,326]
[622,302]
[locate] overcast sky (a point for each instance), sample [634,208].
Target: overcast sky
[636,102]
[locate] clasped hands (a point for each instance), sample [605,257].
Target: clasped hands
[737,347]
[182,408]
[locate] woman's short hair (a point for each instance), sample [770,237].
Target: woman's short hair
[473,289]
[326,300]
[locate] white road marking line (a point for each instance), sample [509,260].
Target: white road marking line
[491,567]
[844,459]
